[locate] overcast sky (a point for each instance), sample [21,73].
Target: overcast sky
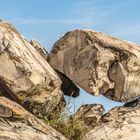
[47,20]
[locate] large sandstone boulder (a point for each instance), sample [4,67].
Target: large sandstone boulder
[18,124]
[99,63]
[121,123]
[25,76]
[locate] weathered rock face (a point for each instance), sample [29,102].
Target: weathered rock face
[121,123]
[89,114]
[99,63]
[25,76]
[18,124]
[67,86]
[40,49]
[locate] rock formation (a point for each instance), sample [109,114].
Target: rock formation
[18,124]
[89,114]
[31,88]
[40,49]
[99,63]
[25,76]
[67,86]
[121,123]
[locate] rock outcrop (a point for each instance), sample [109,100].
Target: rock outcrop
[99,63]
[67,86]
[18,124]
[96,62]
[121,123]
[40,49]
[25,76]
[90,114]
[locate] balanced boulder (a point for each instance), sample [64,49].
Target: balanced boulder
[98,63]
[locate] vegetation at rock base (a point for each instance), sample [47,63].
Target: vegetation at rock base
[72,129]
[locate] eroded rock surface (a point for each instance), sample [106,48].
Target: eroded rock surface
[67,86]
[89,114]
[18,124]
[121,123]
[25,76]
[99,63]
[40,49]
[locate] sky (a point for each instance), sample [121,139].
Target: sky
[48,20]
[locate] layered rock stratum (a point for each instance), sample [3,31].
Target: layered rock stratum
[25,76]
[16,123]
[27,82]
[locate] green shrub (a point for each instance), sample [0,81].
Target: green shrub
[71,128]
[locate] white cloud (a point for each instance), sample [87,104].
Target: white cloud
[94,11]
[23,21]
[128,29]
[85,13]
[91,13]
